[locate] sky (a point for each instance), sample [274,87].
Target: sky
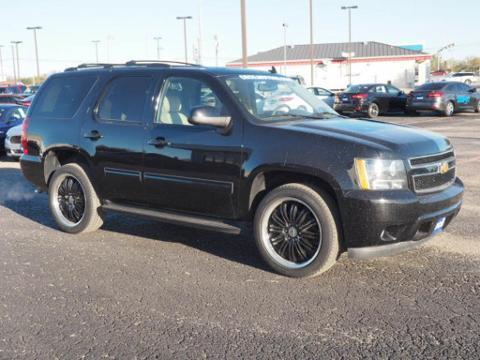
[126,28]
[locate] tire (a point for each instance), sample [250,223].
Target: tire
[411,112]
[373,110]
[477,108]
[449,109]
[322,238]
[65,191]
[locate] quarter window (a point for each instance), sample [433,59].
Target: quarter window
[180,95]
[392,90]
[125,99]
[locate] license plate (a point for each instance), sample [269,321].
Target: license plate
[419,97]
[439,225]
[345,99]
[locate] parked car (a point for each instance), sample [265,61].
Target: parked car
[26,101]
[323,94]
[445,98]
[31,90]
[371,100]
[138,139]
[465,77]
[16,89]
[9,99]
[10,115]
[13,146]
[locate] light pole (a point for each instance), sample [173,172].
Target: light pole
[217,45]
[185,18]
[96,42]
[2,74]
[35,28]
[244,33]
[439,56]
[311,43]
[16,43]
[157,39]
[13,63]
[285,26]
[349,8]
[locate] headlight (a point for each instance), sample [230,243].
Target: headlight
[379,174]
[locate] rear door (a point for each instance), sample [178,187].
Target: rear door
[397,98]
[379,95]
[113,133]
[192,168]
[463,96]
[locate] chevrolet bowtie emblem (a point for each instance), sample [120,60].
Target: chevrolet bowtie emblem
[444,167]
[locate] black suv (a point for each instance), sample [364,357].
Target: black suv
[217,148]
[371,100]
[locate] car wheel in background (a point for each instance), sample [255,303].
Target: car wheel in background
[449,109]
[373,110]
[411,112]
[73,201]
[296,230]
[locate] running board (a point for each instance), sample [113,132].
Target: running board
[176,218]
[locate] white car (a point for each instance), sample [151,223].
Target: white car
[13,144]
[465,77]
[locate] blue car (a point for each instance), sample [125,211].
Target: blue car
[10,115]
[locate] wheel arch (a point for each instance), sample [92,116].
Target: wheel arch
[55,157]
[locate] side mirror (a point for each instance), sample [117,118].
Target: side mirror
[206,115]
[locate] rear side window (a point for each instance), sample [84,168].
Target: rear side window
[62,96]
[124,99]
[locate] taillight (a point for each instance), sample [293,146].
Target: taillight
[410,94]
[285,98]
[359,96]
[25,125]
[435,94]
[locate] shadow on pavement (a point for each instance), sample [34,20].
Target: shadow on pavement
[18,195]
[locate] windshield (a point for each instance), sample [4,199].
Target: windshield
[271,98]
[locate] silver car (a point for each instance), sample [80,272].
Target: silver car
[13,143]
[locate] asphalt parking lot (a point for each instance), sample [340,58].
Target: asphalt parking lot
[142,289]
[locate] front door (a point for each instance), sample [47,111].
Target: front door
[192,168]
[114,136]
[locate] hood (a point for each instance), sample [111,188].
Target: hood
[15,131]
[403,141]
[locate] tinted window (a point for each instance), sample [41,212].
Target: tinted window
[431,86]
[180,95]
[322,92]
[358,89]
[62,96]
[462,74]
[124,99]
[392,90]
[379,89]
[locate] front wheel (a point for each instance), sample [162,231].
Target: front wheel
[373,110]
[296,230]
[73,200]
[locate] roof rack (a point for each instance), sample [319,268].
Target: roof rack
[92,65]
[166,63]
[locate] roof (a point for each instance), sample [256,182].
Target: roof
[332,51]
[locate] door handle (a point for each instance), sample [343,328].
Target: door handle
[158,142]
[93,135]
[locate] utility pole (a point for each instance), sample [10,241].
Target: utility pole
[96,42]
[312,80]
[200,18]
[285,26]
[2,74]
[350,50]
[185,18]
[14,66]
[35,28]
[16,43]
[439,54]
[157,39]
[244,33]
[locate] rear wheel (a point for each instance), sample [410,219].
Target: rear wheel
[373,110]
[477,108]
[73,200]
[449,109]
[411,112]
[296,230]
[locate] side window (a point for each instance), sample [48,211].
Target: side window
[124,99]
[17,114]
[322,92]
[392,90]
[180,95]
[380,89]
[62,96]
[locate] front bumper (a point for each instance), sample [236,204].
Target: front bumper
[13,150]
[385,223]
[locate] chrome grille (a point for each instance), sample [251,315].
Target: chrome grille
[433,172]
